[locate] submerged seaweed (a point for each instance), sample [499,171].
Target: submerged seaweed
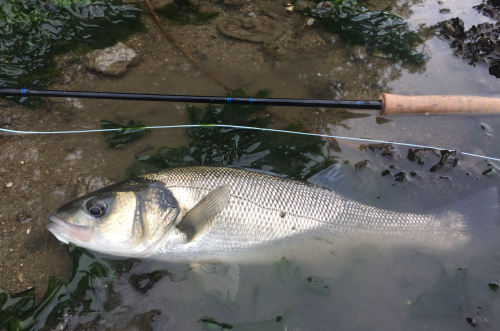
[479,43]
[292,277]
[185,12]
[82,297]
[489,8]
[125,133]
[287,154]
[380,32]
[32,32]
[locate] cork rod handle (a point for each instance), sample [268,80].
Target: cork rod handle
[437,104]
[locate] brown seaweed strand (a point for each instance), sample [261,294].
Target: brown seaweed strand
[180,47]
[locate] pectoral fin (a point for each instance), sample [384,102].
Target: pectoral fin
[209,206]
[224,278]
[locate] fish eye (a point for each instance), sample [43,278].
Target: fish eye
[96,207]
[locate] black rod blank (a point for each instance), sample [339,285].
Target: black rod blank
[377,105]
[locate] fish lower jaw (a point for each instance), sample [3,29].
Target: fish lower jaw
[66,232]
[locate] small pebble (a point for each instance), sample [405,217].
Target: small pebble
[9,184]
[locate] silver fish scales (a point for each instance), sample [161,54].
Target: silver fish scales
[267,216]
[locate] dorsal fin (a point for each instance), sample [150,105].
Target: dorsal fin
[332,179]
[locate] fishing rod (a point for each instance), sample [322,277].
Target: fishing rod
[386,104]
[377,105]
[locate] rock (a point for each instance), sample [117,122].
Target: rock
[300,5]
[256,29]
[359,53]
[112,60]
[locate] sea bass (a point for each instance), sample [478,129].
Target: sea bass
[211,214]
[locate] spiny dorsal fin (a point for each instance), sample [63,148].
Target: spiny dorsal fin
[332,179]
[211,205]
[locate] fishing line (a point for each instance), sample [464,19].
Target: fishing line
[242,127]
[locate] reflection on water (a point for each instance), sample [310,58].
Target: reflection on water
[357,288]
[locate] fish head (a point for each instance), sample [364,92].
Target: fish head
[128,219]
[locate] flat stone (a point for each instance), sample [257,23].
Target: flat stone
[256,29]
[112,61]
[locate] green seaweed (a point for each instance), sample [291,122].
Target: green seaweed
[126,133]
[33,32]
[185,12]
[266,325]
[211,324]
[419,159]
[81,296]
[296,156]
[378,31]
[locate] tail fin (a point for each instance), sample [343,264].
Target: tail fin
[475,219]
[480,211]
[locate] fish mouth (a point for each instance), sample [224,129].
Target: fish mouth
[67,232]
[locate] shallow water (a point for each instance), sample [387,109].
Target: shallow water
[363,287]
